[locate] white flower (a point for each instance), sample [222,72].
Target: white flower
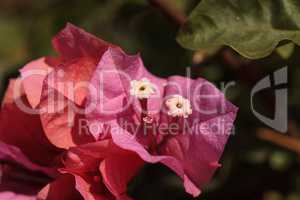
[142,89]
[178,106]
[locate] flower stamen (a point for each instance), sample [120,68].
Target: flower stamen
[179,105]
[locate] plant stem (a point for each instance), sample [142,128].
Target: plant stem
[172,13]
[284,141]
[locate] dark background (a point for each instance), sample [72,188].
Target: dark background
[256,165]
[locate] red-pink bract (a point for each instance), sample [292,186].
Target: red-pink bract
[43,149]
[98,165]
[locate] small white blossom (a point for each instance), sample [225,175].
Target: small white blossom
[142,89]
[178,106]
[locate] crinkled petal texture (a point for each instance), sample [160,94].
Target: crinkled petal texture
[73,42]
[125,140]
[33,143]
[67,85]
[24,130]
[102,169]
[33,75]
[194,152]
[199,149]
[94,171]
[111,100]
[26,154]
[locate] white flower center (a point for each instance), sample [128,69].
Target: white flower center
[142,89]
[178,106]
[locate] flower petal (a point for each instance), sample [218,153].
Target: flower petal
[73,42]
[71,79]
[62,188]
[209,126]
[87,191]
[13,196]
[27,134]
[112,99]
[12,153]
[32,76]
[117,171]
[57,117]
[60,120]
[126,141]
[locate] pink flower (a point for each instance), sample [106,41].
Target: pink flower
[98,170]
[87,120]
[44,153]
[143,123]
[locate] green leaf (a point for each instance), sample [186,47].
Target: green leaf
[251,27]
[286,51]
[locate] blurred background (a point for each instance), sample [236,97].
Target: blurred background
[258,163]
